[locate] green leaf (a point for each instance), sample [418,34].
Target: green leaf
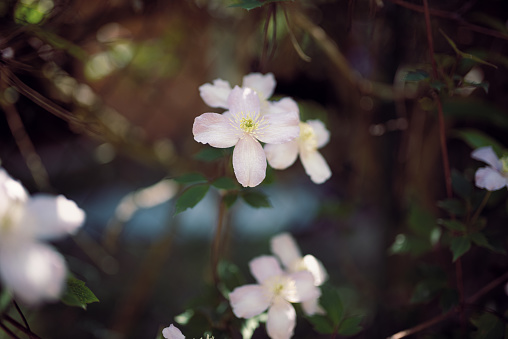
[476,139]
[420,220]
[256,199]
[461,186]
[453,225]
[210,154]
[229,275]
[453,206]
[191,178]
[225,183]
[331,302]
[230,198]
[472,109]
[489,326]
[437,85]
[191,197]
[481,240]
[250,325]
[427,290]
[459,246]
[5,299]
[408,243]
[77,294]
[449,299]
[416,76]
[350,326]
[465,55]
[321,324]
[251,4]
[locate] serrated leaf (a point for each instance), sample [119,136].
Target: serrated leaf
[477,139]
[191,197]
[191,178]
[225,183]
[331,301]
[77,294]
[453,225]
[415,76]
[321,324]
[459,246]
[256,199]
[350,326]
[210,154]
[453,206]
[481,240]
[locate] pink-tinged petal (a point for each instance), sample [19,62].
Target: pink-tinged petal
[52,217]
[248,301]
[243,102]
[215,129]
[264,85]
[305,288]
[286,249]
[281,156]
[311,307]
[283,105]
[34,272]
[265,267]
[322,134]
[249,162]
[315,166]
[490,179]
[172,332]
[12,193]
[317,269]
[281,320]
[279,128]
[216,95]
[487,155]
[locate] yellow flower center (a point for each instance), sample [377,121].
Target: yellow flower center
[504,162]
[248,125]
[308,137]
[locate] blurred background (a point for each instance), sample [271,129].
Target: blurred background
[99,98]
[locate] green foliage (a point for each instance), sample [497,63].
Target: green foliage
[251,4]
[191,178]
[256,199]
[5,299]
[452,206]
[459,246]
[250,325]
[77,294]
[488,326]
[230,198]
[453,225]
[465,55]
[461,186]
[416,76]
[432,282]
[477,139]
[191,197]
[475,110]
[225,183]
[449,299]
[230,277]
[210,154]
[32,11]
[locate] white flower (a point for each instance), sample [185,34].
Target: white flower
[313,135]
[472,78]
[31,269]
[172,332]
[216,94]
[286,249]
[275,291]
[242,126]
[495,176]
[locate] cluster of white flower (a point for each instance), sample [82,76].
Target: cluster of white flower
[251,118]
[172,332]
[278,288]
[495,176]
[32,270]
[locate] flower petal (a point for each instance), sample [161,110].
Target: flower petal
[249,300]
[51,217]
[317,269]
[490,179]
[315,166]
[172,332]
[305,288]
[281,319]
[216,95]
[243,101]
[281,156]
[279,128]
[249,162]
[283,105]
[311,307]
[265,267]
[322,134]
[286,249]
[487,155]
[264,85]
[33,271]
[215,129]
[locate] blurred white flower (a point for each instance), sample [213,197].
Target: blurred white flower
[473,77]
[31,269]
[172,332]
[495,176]
[275,291]
[285,248]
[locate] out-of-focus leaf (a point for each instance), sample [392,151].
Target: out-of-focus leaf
[459,246]
[437,85]
[420,221]
[475,110]
[453,206]
[490,21]
[191,178]
[230,276]
[5,299]
[191,197]
[184,318]
[427,290]
[225,183]
[408,243]
[350,326]
[332,303]
[481,240]
[461,186]
[256,199]
[465,55]
[250,325]
[449,299]
[230,198]
[251,4]
[415,76]
[453,225]
[210,154]
[477,139]
[482,85]
[321,324]
[77,294]
[489,326]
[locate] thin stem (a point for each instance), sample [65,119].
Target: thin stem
[21,314]
[264,53]
[294,41]
[215,255]
[8,331]
[20,327]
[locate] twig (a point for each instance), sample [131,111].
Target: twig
[294,41]
[9,332]
[20,327]
[21,314]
